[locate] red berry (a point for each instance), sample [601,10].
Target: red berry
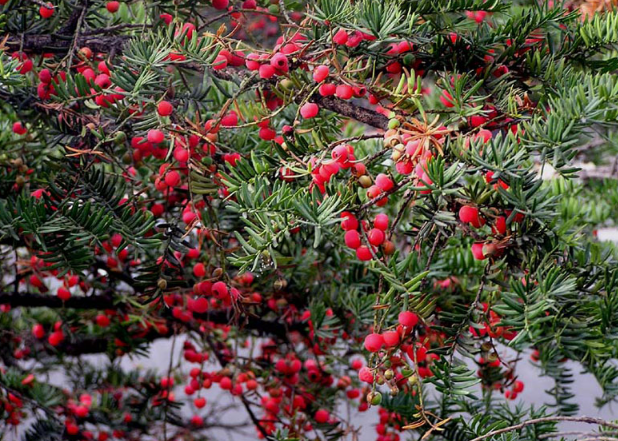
[199,270]
[381,222]
[165,108]
[266,71]
[391,338]
[155,136]
[199,402]
[352,239]
[363,253]
[349,222]
[19,129]
[518,387]
[309,110]
[38,331]
[384,183]
[408,319]
[46,11]
[220,4]
[344,92]
[327,89]
[172,179]
[470,215]
[63,294]
[55,338]
[102,320]
[447,99]
[341,37]
[112,6]
[374,342]
[320,73]
[376,237]
[321,416]
[200,305]
[279,62]
[220,62]
[45,76]
[477,251]
[220,291]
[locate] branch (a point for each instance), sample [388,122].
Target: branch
[51,43]
[49,301]
[582,419]
[599,172]
[60,44]
[89,346]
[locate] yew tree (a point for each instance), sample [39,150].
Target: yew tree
[341,219]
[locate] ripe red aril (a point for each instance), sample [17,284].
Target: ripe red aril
[155,136]
[344,91]
[391,338]
[165,108]
[63,294]
[112,6]
[320,73]
[352,239]
[408,319]
[38,331]
[374,342]
[381,221]
[363,253]
[321,416]
[384,182]
[46,11]
[376,237]
[470,215]
[340,37]
[309,110]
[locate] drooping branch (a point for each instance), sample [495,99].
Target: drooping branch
[581,419]
[100,302]
[57,44]
[38,300]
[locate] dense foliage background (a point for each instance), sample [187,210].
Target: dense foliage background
[328,205]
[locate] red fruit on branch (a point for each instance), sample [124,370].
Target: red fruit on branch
[309,110]
[374,342]
[112,6]
[165,108]
[47,11]
[408,319]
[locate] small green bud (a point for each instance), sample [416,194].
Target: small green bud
[393,123]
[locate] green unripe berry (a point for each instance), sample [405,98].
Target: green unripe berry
[393,123]
[374,398]
[120,137]
[408,60]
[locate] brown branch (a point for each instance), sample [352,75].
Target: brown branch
[599,172]
[223,317]
[55,43]
[50,301]
[582,419]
